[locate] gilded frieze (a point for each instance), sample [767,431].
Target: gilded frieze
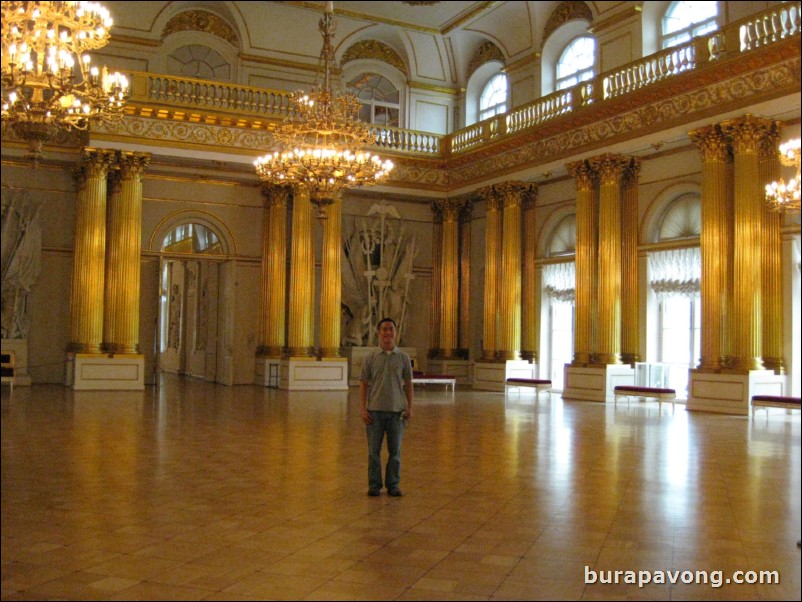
[373,49]
[201,20]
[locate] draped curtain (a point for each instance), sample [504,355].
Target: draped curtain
[560,281]
[676,272]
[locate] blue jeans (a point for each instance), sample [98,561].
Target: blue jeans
[390,423]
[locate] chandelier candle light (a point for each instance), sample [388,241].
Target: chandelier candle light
[779,195]
[42,91]
[320,143]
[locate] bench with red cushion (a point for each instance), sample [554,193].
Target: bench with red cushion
[657,393]
[776,401]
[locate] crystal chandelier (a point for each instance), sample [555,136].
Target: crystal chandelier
[320,142]
[782,196]
[43,92]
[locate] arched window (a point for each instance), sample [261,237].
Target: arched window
[381,100]
[675,276]
[576,63]
[192,238]
[198,61]
[559,284]
[685,20]
[493,100]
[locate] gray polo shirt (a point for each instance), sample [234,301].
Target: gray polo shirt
[385,372]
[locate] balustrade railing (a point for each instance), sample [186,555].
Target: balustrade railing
[772,25]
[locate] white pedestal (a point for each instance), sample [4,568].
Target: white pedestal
[455,367]
[104,372]
[312,374]
[492,376]
[727,393]
[268,372]
[596,383]
[357,354]
[20,349]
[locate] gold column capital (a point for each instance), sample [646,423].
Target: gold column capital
[132,164]
[275,196]
[609,167]
[509,193]
[530,196]
[747,132]
[95,163]
[450,210]
[584,175]
[632,172]
[711,142]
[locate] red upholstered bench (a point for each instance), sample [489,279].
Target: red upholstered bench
[657,393]
[775,401]
[419,378]
[535,383]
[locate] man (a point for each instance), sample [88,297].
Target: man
[385,389]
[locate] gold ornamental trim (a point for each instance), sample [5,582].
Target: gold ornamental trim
[486,52]
[565,12]
[373,49]
[204,21]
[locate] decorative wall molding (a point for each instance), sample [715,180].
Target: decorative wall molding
[375,50]
[201,20]
[565,12]
[487,51]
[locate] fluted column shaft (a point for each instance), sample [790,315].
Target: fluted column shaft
[331,279]
[771,268]
[586,233]
[746,134]
[274,271]
[88,274]
[530,299]
[714,244]
[465,278]
[630,323]
[449,281]
[300,339]
[509,335]
[125,250]
[110,297]
[437,262]
[611,169]
[492,259]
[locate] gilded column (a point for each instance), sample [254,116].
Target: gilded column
[437,263]
[586,235]
[714,244]
[331,278]
[125,247]
[771,260]
[746,134]
[630,326]
[465,279]
[530,300]
[110,297]
[274,271]
[492,258]
[449,281]
[88,274]
[300,339]
[610,169]
[509,336]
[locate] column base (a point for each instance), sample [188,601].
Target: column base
[492,376]
[453,366]
[596,382]
[313,374]
[104,372]
[268,371]
[730,392]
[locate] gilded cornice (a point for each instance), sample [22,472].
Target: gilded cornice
[634,10]
[373,49]
[487,51]
[433,88]
[565,12]
[726,85]
[201,20]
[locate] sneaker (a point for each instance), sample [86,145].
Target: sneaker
[374,492]
[395,492]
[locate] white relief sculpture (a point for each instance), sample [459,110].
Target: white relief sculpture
[377,273]
[21,260]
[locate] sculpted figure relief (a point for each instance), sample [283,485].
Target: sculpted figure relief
[377,274]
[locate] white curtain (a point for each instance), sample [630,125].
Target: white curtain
[560,281]
[676,272]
